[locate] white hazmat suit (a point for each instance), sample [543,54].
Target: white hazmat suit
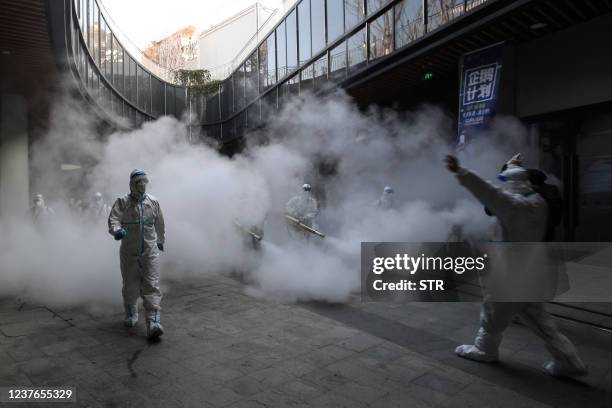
[305,208]
[97,208]
[522,215]
[137,220]
[39,212]
[387,200]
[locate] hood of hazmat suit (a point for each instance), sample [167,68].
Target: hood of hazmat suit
[387,200]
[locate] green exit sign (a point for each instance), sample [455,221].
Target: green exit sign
[427,75]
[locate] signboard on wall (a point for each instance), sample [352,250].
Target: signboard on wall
[480,78]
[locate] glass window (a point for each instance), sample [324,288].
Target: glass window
[381,35]
[212,107]
[357,50]
[281,48]
[317,14]
[267,63]
[251,72]
[354,13]
[228,130]
[335,19]
[239,88]
[130,80]
[109,54]
[440,12]
[305,47]
[269,104]
[118,107]
[408,22]
[89,29]
[95,35]
[306,82]
[292,57]
[337,62]
[254,115]
[117,65]
[241,123]
[157,97]
[181,101]
[144,89]
[283,91]
[226,95]
[106,50]
[320,73]
[374,5]
[294,85]
[170,100]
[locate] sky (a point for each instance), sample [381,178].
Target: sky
[143,21]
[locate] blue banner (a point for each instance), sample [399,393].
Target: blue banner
[480,78]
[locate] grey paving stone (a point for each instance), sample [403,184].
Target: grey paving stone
[439,383]
[326,355]
[300,390]
[271,377]
[360,341]
[325,378]
[401,399]
[360,392]
[335,400]
[245,386]
[479,395]
[221,396]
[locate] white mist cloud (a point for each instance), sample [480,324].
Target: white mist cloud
[347,155]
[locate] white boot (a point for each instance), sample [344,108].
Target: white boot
[154,327]
[131,315]
[474,353]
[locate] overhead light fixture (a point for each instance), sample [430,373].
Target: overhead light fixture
[6,52]
[537,26]
[69,167]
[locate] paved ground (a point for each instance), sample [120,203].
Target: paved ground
[223,348]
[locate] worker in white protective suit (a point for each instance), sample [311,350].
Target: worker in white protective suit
[39,212]
[522,215]
[305,208]
[387,200]
[137,220]
[97,208]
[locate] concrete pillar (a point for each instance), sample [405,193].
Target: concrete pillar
[14,168]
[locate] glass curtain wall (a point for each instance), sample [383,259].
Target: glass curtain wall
[381,35]
[372,6]
[281,51]
[357,50]
[305,43]
[335,19]
[317,21]
[354,13]
[251,72]
[117,65]
[320,73]
[337,62]
[440,12]
[292,54]
[409,22]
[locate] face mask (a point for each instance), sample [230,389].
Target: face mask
[141,186]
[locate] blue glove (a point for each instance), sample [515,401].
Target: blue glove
[160,247]
[120,234]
